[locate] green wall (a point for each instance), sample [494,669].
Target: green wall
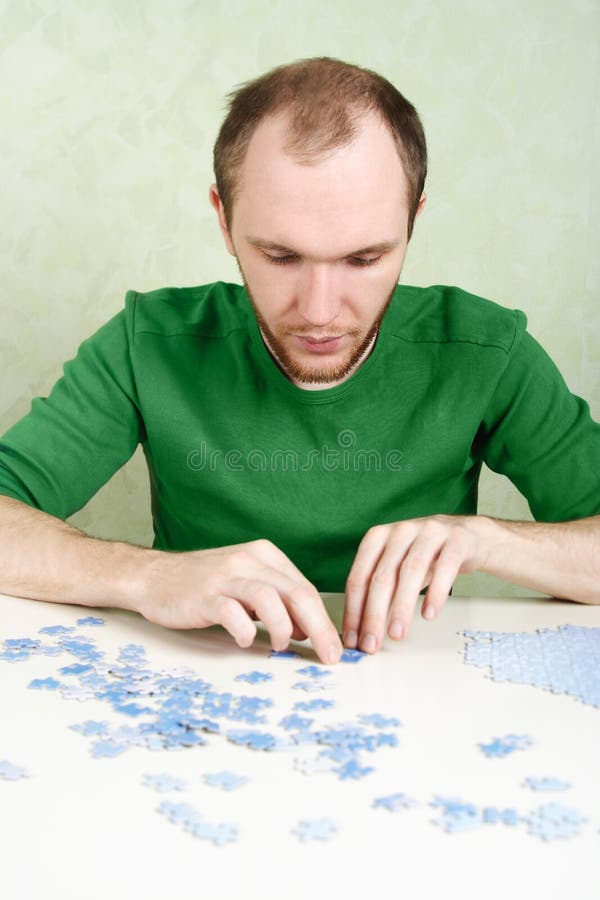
[109,111]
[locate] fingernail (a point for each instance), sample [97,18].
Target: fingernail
[369,643]
[350,638]
[429,612]
[333,654]
[396,629]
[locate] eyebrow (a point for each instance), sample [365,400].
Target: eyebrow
[380,247]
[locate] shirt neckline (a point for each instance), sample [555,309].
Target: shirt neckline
[275,377]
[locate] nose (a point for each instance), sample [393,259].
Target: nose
[318,298]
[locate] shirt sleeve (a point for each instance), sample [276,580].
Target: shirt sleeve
[61,453]
[542,437]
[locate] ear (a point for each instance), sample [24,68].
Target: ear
[215,200]
[421,204]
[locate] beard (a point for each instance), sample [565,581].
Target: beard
[294,369]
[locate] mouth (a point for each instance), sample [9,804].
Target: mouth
[320,345]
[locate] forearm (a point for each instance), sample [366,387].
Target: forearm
[561,559]
[43,558]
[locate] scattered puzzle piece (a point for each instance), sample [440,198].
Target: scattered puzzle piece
[227,781]
[315,829]
[553,821]
[314,671]
[394,802]
[107,748]
[47,684]
[314,766]
[352,769]
[456,815]
[191,821]
[379,721]
[546,783]
[10,772]
[502,746]
[162,782]
[254,677]
[312,705]
[352,656]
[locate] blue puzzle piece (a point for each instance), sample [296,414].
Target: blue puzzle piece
[294,721]
[310,686]
[227,781]
[257,740]
[107,749]
[394,802]
[14,655]
[491,815]
[501,746]
[190,819]
[312,705]
[379,721]
[553,821]
[162,782]
[352,656]
[90,728]
[91,620]
[10,772]
[314,671]
[315,829]
[546,783]
[48,684]
[56,629]
[76,669]
[24,643]
[352,769]
[254,677]
[456,815]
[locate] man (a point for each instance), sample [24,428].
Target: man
[321,427]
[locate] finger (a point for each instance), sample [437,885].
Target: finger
[297,633]
[357,584]
[420,557]
[226,611]
[264,599]
[308,611]
[383,585]
[447,567]
[301,598]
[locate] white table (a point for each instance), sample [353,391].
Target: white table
[86,828]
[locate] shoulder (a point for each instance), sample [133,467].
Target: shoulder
[446,314]
[213,310]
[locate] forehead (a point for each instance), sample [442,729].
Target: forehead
[358,191]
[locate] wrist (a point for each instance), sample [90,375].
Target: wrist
[135,575]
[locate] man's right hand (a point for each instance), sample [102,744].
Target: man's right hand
[233,586]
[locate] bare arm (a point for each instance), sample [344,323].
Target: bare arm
[559,558]
[396,561]
[43,558]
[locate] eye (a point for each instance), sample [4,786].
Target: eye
[281,260]
[363,261]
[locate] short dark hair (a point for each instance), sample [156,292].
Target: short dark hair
[325,99]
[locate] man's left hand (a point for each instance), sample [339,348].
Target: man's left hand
[395,562]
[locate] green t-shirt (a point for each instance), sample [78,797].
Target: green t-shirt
[235,451]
